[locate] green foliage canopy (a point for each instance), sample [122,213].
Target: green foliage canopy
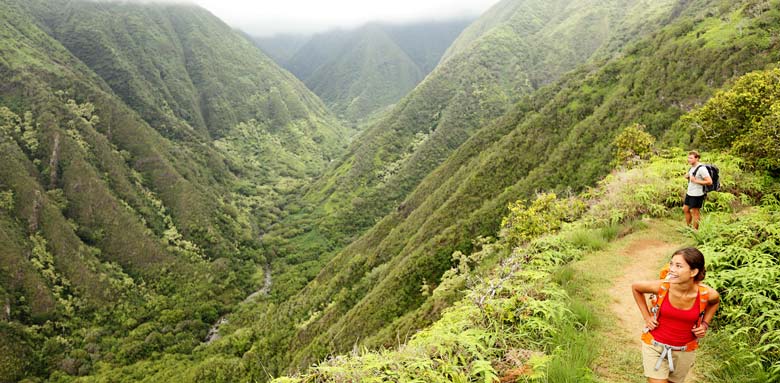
[746,118]
[632,145]
[545,214]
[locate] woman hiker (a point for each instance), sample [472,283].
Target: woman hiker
[680,314]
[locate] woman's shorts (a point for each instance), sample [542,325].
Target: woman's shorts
[683,361]
[694,202]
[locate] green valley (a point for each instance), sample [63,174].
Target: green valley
[145,150]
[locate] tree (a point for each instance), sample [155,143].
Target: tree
[632,145]
[745,119]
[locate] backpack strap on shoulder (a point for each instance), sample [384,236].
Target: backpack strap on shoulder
[660,296]
[703,188]
[663,291]
[704,299]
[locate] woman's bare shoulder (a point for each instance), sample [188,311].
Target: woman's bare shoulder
[713,294]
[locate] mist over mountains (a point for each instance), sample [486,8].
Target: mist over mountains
[361,71]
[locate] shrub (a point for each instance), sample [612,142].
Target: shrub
[743,264]
[544,215]
[7,200]
[632,145]
[745,118]
[220,369]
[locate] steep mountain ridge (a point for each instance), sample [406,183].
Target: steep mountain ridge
[136,186]
[370,73]
[360,72]
[282,47]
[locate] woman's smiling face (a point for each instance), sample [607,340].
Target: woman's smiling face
[679,270]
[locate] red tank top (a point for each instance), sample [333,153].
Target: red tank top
[675,326]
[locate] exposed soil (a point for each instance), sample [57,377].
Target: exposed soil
[646,256]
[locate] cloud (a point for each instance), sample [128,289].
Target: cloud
[308,16]
[267,17]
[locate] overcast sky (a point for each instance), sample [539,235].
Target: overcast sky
[268,17]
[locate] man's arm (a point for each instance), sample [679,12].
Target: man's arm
[706,181]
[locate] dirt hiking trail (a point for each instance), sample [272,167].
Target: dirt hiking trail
[645,256]
[637,256]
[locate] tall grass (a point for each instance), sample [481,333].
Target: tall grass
[573,356]
[573,349]
[593,239]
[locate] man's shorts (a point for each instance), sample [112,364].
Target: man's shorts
[694,202]
[683,361]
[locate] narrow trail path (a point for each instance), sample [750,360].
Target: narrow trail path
[645,255]
[609,274]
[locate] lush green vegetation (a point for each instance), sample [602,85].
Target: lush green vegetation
[746,116]
[367,292]
[142,194]
[519,321]
[138,144]
[359,72]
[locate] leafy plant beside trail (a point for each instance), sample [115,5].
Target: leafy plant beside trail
[743,254]
[508,322]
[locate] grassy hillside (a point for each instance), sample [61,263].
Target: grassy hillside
[144,151]
[359,72]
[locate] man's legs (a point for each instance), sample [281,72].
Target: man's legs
[695,216]
[688,216]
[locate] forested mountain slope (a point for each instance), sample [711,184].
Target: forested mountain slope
[144,150]
[361,71]
[187,73]
[554,140]
[369,72]
[389,160]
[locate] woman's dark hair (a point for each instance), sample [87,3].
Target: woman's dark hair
[695,260]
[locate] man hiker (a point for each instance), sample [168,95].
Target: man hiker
[698,176]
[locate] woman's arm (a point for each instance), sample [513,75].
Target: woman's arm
[712,305]
[639,289]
